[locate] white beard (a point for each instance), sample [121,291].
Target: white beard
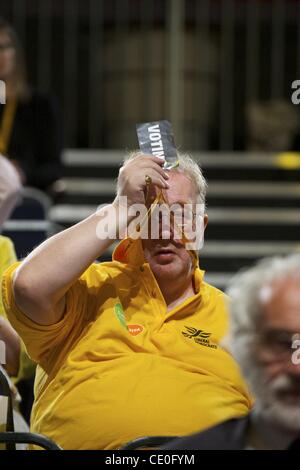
[267,401]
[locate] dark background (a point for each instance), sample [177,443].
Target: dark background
[198,63]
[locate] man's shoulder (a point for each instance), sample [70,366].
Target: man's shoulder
[213,294]
[104,271]
[215,290]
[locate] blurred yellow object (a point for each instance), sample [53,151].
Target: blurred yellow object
[289,160]
[7,258]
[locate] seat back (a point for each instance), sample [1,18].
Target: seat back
[13,438]
[6,408]
[147,442]
[29,224]
[8,436]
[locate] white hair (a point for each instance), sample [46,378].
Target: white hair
[190,168]
[245,291]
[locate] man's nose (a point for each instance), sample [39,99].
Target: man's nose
[168,230]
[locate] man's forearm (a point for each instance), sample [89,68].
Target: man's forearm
[42,280]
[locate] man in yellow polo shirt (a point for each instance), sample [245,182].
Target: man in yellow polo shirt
[126,348]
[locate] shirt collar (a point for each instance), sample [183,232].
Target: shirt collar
[129,251]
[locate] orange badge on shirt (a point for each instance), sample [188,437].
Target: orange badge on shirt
[135,329]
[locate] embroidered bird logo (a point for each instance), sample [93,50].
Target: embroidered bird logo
[194,333]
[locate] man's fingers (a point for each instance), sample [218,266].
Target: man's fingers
[141,160]
[139,175]
[146,164]
[150,157]
[156,168]
[159,161]
[156,179]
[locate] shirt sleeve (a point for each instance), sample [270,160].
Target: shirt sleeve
[48,344]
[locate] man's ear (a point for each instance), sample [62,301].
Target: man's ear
[205,221]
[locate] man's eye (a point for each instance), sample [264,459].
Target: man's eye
[280,344]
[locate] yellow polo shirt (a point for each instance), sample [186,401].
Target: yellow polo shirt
[119,366]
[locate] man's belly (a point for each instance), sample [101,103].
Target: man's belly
[98,406]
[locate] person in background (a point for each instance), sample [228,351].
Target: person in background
[265,339]
[16,358]
[30,125]
[10,191]
[18,366]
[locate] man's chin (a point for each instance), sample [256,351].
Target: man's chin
[289,399]
[165,269]
[285,413]
[277,406]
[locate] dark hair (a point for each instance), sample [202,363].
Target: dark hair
[19,76]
